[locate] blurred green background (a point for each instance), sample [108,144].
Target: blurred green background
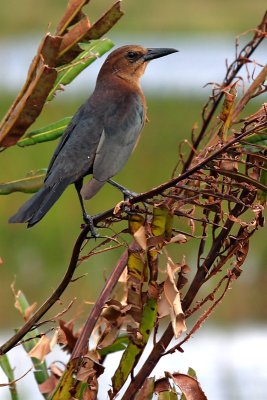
[37,258]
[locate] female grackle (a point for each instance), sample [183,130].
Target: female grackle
[101,135]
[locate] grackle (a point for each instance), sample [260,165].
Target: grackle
[101,135]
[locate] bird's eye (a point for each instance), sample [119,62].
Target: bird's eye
[131,55]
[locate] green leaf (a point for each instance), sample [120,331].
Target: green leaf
[159,220]
[119,345]
[168,395]
[69,72]
[30,184]
[259,140]
[45,134]
[65,386]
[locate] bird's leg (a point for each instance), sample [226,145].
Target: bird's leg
[86,217]
[127,195]
[126,192]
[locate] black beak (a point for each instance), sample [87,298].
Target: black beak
[157,53]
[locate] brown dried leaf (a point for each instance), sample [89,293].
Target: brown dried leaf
[29,107]
[66,337]
[180,238]
[73,10]
[49,385]
[41,349]
[74,35]
[162,385]
[89,367]
[117,208]
[173,298]
[55,370]
[163,306]
[29,102]
[29,311]
[109,336]
[105,23]
[189,386]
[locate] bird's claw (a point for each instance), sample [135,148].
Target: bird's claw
[88,220]
[127,194]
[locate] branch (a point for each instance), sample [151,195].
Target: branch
[231,73]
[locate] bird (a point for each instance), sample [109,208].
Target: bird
[101,135]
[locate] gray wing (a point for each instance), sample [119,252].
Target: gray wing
[77,116]
[119,137]
[74,155]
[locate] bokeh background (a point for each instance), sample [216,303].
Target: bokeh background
[36,259]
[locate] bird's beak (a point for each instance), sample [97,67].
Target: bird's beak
[157,53]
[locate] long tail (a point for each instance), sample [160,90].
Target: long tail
[37,206]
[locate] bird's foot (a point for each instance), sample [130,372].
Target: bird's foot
[88,220]
[128,194]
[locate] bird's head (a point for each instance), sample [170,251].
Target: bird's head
[129,62]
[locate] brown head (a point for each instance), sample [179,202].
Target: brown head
[129,62]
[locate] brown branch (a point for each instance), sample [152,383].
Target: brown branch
[52,299]
[98,218]
[231,73]
[161,346]
[82,341]
[249,93]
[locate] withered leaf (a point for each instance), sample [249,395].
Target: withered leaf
[49,385]
[180,238]
[41,349]
[73,9]
[74,35]
[66,336]
[105,23]
[189,386]
[172,297]
[29,310]
[89,367]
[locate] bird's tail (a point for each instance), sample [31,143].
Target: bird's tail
[37,206]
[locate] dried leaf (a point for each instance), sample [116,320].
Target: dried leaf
[49,385]
[29,310]
[41,349]
[66,336]
[89,367]
[29,107]
[180,238]
[74,35]
[117,208]
[173,298]
[73,9]
[189,386]
[105,23]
